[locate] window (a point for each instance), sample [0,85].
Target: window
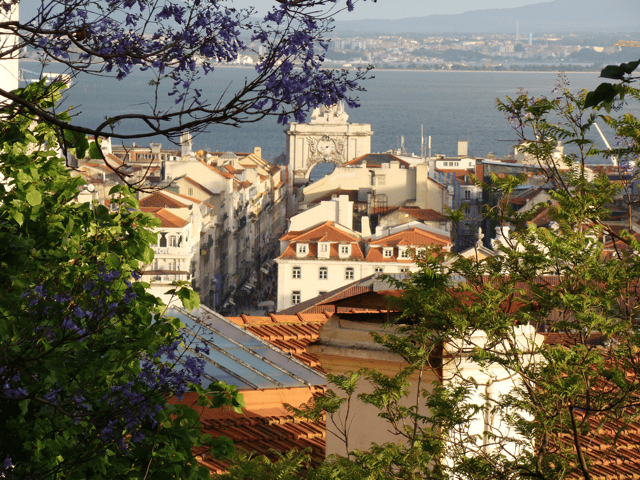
[324,247]
[404,253]
[302,249]
[379,270]
[387,252]
[295,298]
[323,273]
[348,273]
[297,272]
[404,270]
[172,241]
[467,195]
[345,250]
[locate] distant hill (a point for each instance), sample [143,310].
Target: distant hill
[555,16]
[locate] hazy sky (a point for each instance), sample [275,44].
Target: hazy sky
[407,8]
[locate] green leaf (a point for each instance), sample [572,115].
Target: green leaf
[34,197]
[94,151]
[222,447]
[605,92]
[613,71]
[147,254]
[18,217]
[189,298]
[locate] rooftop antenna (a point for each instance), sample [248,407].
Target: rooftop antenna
[429,146]
[614,159]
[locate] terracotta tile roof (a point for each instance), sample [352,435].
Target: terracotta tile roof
[321,305]
[162,200]
[186,197]
[325,232]
[232,170]
[413,237]
[462,176]
[226,175]
[167,219]
[375,255]
[289,333]
[264,425]
[113,159]
[97,166]
[569,339]
[619,460]
[421,214]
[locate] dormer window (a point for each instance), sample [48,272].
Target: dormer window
[345,251]
[403,252]
[323,249]
[387,252]
[302,249]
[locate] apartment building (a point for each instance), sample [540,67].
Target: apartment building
[321,252]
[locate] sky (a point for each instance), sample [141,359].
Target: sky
[392,9]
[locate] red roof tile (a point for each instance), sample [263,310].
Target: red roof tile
[326,232]
[264,425]
[415,237]
[423,214]
[167,219]
[162,200]
[289,333]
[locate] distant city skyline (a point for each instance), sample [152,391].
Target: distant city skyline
[395,9]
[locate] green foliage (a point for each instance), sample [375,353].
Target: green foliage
[83,393]
[606,94]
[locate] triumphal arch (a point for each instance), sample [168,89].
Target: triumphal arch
[328,137]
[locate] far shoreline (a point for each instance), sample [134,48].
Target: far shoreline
[410,70]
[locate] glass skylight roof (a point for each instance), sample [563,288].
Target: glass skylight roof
[250,362]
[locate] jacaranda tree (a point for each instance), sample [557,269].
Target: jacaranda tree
[88,361]
[179,42]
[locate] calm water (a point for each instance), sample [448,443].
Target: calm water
[452,106]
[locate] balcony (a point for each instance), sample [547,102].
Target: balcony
[173,251]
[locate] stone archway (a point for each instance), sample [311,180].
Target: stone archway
[328,137]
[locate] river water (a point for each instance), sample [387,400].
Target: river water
[451,106]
